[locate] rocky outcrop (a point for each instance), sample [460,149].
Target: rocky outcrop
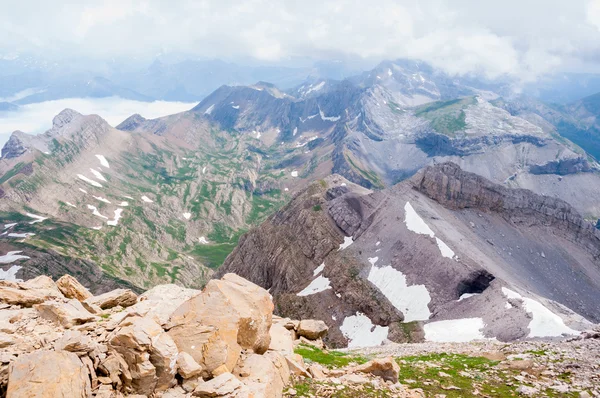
[216,344]
[42,374]
[562,167]
[72,289]
[454,188]
[14,147]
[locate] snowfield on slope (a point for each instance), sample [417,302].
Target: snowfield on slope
[412,301]
[10,274]
[103,161]
[98,175]
[544,323]
[89,181]
[361,332]
[416,224]
[318,285]
[12,257]
[455,330]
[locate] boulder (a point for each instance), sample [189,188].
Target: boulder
[67,314]
[71,288]
[122,297]
[240,311]
[386,368]
[150,354]
[27,294]
[75,341]
[281,339]
[225,385]
[186,366]
[116,370]
[48,374]
[205,345]
[159,302]
[316,371]
[261,376]
[296,365]
[312,329]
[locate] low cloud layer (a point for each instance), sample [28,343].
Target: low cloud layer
[524,38]
[37,118]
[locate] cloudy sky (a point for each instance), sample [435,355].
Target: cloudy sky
[525,38]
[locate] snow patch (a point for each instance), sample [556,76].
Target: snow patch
[412,301]
[70,204]
[187,215]
[204,170]
[328,118]
[7,226]
[96,212]
[465,296]
[544,323]
[209,110]
[347,242]
[37,218]
[455,330]
[315,88]
[83,190]
[11,274]
[147,199]
[416,224]
[319,269]
[97,228]
[101,199]
[115,220]
[318,285]
[295,131]
[125,204]
[20,235]
[89,181]
[294,173]
[12,257]
[103,161]
[360,331]
[444,249]
[203,240]
[98,175]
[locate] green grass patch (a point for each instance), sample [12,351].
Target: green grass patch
[212,256]
[331,359]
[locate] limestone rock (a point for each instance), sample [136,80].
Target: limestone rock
[225,385]
[68,314]
[159,302]
[296,365]
[149,352]
[262,377]
[42,374]
[240,311]
[27,294]
[75,341]
[312,329]
[316,371]
[386,368]
[186,366]
[205,345]
[122,297]
[281,339]
[71,288]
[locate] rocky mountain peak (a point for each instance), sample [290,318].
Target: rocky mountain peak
[65,117]
[14,147]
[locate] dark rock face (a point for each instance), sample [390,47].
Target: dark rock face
[440,145]
[454,188]
[562,167]
[283,252]
[13,148]
[132,122]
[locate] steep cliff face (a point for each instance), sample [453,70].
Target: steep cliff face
[446,250]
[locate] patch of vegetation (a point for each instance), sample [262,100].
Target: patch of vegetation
[369,175]
[331,359]
[317,208]
[456,375]
[11,173]
[212,256]
[446,117]
[177,230]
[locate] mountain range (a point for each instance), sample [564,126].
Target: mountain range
[467,197]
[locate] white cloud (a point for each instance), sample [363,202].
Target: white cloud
[519,37]
[37,118]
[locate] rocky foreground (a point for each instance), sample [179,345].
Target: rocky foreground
[58,340]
